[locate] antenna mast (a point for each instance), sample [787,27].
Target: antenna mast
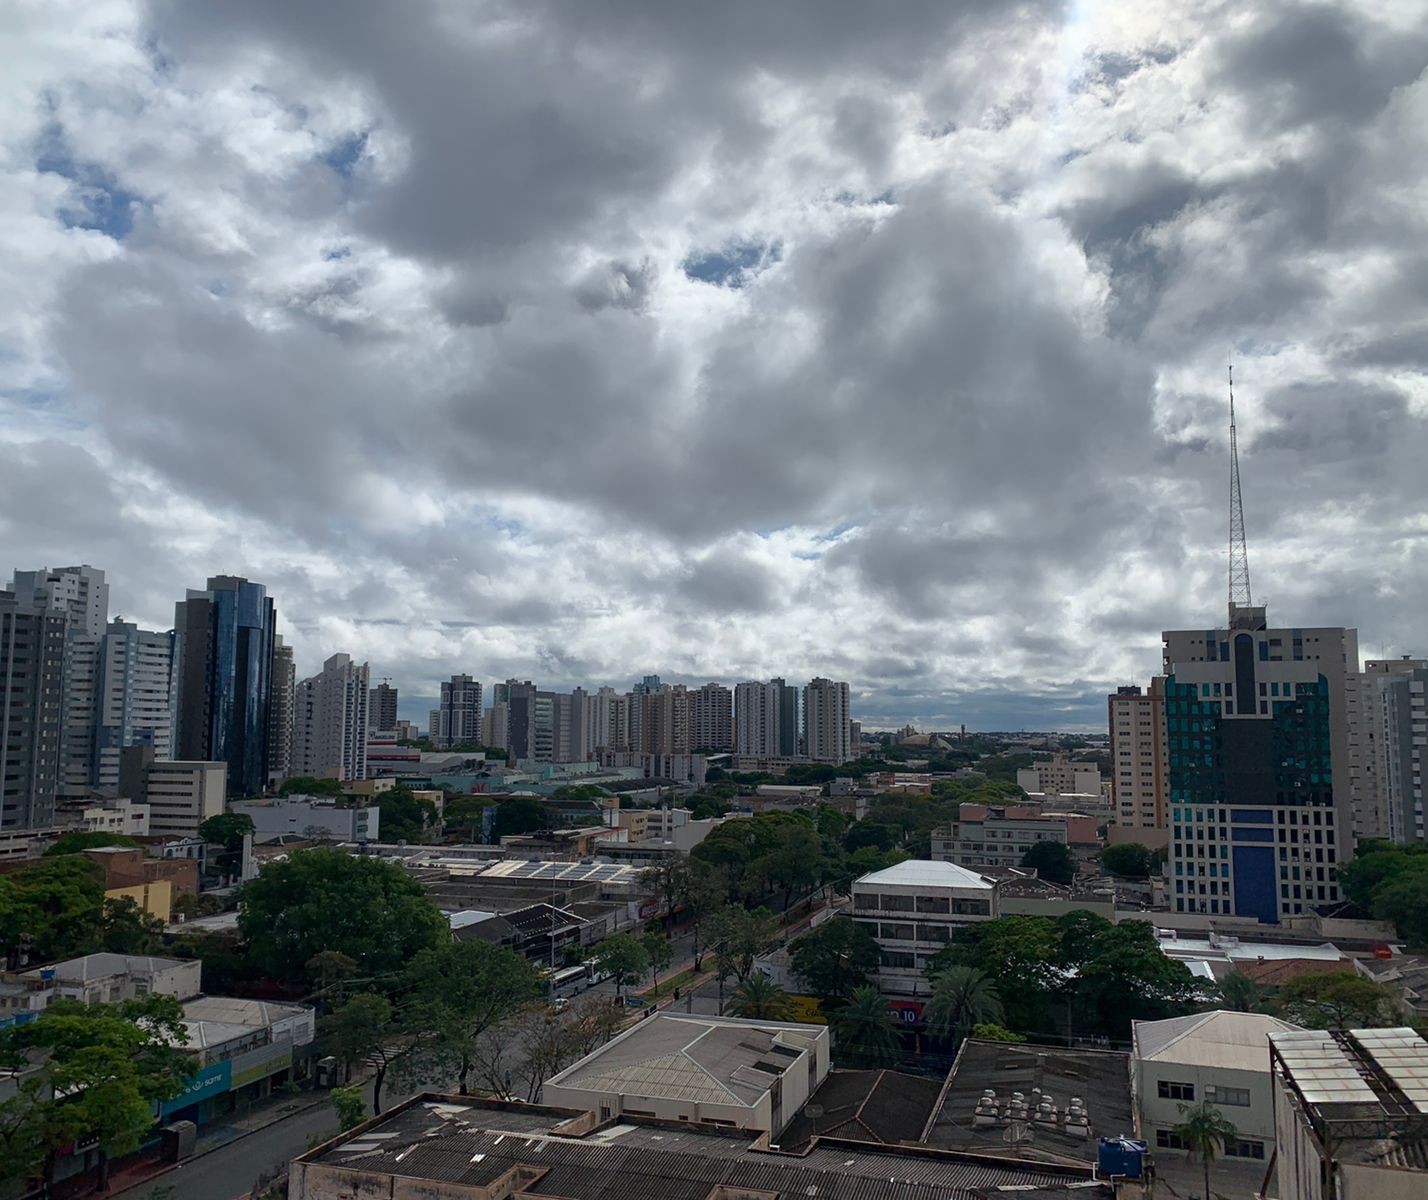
[1239,550]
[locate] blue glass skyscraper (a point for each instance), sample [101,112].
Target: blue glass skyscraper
[225,639]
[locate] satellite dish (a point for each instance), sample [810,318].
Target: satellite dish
[813,1111]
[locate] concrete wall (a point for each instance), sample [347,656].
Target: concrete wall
[1255,1123]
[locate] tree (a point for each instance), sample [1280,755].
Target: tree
[309,785]
[1205,1132]
[1240,993]
[1052,861]
[704,892]
[320,899]
[995,1033]
[329,967]
[865,1032]
[669,880]
[73,843]
[463,814]
[519,814]
[1341,1000]
[1019,955]
[1130,860]
[227,829]
[836,958]
[795,864]
[738,936]
[93,1071]
[53,909]
[350,1106]
[456,991]
[1122,975]
[962,997]
[759,998]
[362,1030]
[128,929]
[403,816]
[659,952]
[624,958]
[1390,883]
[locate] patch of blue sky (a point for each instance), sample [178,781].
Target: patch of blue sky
[344,156]
[733,264]
[100,202]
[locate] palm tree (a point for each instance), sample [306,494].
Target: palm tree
[1240,993]
[961,997]
[1205,1132]
[865,1031]
[760,998]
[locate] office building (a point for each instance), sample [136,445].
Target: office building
[494,726]
[1058,776]
[790,742]
[281,711]
[1254,719]
[711,718]
[1349,1114]
[520,701]
[382,707]
[1217,1057]
[741,1074]
[32,658]
[1139,759]
[320,818]
[826,721]
[330,722]
[134,695]
[80,594]
[1000,836]
[913,909]
[457,718]
[181,796]
[1400,709]
[225,642]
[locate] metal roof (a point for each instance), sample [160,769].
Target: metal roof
[1230,1040]
[923,873]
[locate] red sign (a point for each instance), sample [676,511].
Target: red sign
[909,1012]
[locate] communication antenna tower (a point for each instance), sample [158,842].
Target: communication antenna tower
[1239,549]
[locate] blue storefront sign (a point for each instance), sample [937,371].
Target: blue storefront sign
[213,1080]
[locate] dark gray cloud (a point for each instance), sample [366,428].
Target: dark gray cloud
[575,342]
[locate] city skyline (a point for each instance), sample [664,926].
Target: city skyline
[922,389]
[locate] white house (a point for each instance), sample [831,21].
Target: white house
[912,909]
[1222,1057]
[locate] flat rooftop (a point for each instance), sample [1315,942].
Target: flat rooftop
[563,1153]
[1100,1079]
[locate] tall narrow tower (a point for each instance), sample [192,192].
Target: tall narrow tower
[1239,551]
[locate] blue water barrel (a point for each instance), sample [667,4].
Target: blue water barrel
[1121,1156]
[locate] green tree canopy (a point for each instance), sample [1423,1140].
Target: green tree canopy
[836,958]
[53,909]
[865,1032]
[738,935]
[404,817]
[96,1072]
[1130,860]
[1341,1000]
[310,785]
[320,899]
[1052,861]
[128,929]
[1206,1132]
[758,998]
[1390,883]
[624,957]
[962,997]
[519,814]
[1240,993]
[227,829]
[462,815]
[73,843]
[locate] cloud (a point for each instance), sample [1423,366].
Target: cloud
[572,343]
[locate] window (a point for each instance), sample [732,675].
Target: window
[864,901]
[1168,1139]
[1170,1090]
[898,903]
[1243,1149]
[1239,1097]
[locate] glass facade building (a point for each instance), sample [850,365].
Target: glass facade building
[225,638]
[1255,825]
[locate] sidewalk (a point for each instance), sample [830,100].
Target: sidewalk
[145,1165]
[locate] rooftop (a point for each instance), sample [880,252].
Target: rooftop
[884,1107]
[711,1060]
[562,1153]
[103,966]
[1276,972]
[922,873]
[1232,1040]
[1099,1079]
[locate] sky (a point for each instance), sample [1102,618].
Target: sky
[578,341]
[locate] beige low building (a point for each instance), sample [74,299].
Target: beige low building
[751,1075]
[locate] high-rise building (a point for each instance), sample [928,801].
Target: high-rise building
[135,690]
[520,701]
[382,707]
[1372,815]
[457,718]
[330,723]
[224,642]
[758,712]
[1139,758]
[659,720]
[786,702]
[1400,708]
[181,795]
[80,593]
[32,654]
[711,718]
[281,711]
[1256,724]
[572,729]
[494,726]
[825,721]
[609,720]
